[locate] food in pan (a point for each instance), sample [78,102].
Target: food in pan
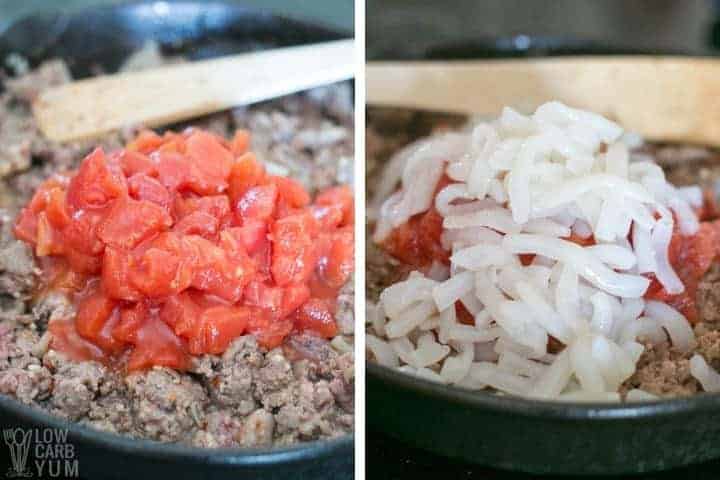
[545,256]
[189,286]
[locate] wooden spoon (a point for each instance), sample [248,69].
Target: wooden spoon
[662,98]
[93,107]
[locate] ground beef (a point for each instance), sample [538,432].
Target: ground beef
[166,405]
[663,371]
[708,338]
[17,266]
[265,389]
[688,165]
[708,296]
[257,429]
[246,397]
[345,313]
[22,375]
[75,386]
[230,377]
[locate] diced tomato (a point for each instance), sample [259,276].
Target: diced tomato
[291,192]
[690,256]
[261,295]
[526,258]
[181,313]
[328,216]
[26,226]
[174,170]
[269,331]
[81,234]
[262,257]
[131,319]
[56,209]
[82,263]
[95,184]
[240,142]
[135,163]
[144,187]
[709,210]
[337,264]
[316,315]
[417,242]
[197,223]
[213,160]
[94,311]
[293,297]
[172,248]
[694,255]
[117,265]
[156,344]
[293,253]
[159,273]
[252,235]
[60,277]
[145,142]
[130,221]
[105,339]
[583,242]
[340,197]
[257,203]
[163,268]
[216,272]
[218,326]
[48,239]
[216,205]
[246,173]
[66,339]
[463,315]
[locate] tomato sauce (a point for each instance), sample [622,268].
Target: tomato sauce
[180,243]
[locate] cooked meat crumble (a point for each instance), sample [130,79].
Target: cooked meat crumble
[245,397]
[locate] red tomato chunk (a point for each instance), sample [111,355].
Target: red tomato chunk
[180,243]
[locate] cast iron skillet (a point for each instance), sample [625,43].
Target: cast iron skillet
[535,436]
[106,36]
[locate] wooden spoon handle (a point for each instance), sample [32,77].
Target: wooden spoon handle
[92,107]
[662,98]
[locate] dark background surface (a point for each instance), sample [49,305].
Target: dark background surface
[404,29]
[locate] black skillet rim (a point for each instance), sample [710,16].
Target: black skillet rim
[153,449]
[553,410]
[342,445]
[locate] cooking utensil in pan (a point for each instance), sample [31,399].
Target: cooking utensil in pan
[663,98]
[169,94]
[106,36]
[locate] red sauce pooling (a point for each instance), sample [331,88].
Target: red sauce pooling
[180,243]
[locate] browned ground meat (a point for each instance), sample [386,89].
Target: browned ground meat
[661,369]
[247,396]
